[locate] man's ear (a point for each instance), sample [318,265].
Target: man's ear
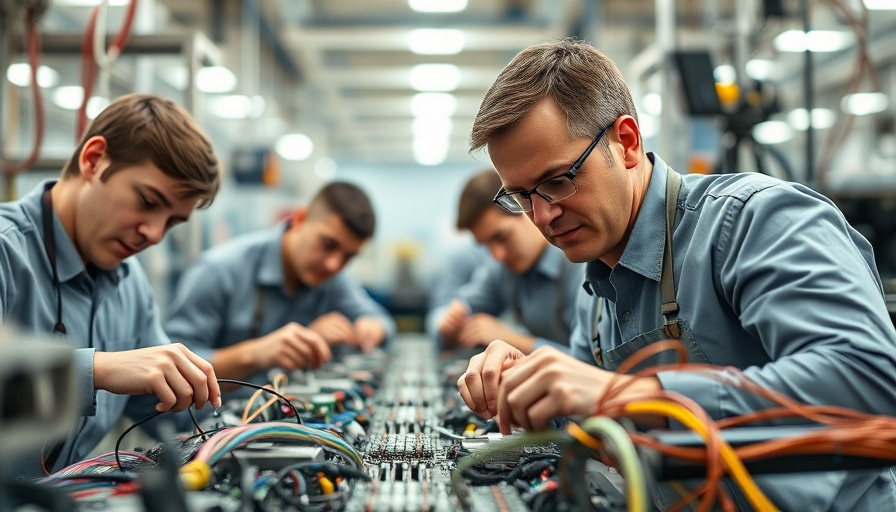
[92,153]
[630,139]
[299,215]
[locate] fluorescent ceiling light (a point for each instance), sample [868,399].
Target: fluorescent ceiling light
[236,106]
[436,104]
[430,150]
[95,105]
[653,104]
[436,41]
[760,69]
[822,118]
[724,74]
[648,125]
[431,126]
[435,77]
[294,146]
[438,5]
[68,97]
[815,41]
[864,103]
[20,74]
[215,79]
[880,5]
[772,132]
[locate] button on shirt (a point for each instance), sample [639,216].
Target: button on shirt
[102,310]
[545,296]
[771,279]
[217,297]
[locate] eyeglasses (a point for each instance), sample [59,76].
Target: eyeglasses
[551,190]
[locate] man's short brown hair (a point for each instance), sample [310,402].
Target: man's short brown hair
[141,128]
[349,203]
[477,198]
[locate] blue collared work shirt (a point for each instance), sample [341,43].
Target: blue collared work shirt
[771,279]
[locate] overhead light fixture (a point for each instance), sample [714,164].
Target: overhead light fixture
[438,5]
[772,132]
[294,146]
[429,150]
[864,103]
[431,126]
[822,118]
[95,105]
[880,5]
[725,74]
[68,97]
[653,104]
[435,77]
[813,41]
[236,106]
[215,79]
[438,104]
[20,74]
[436,41]
[760,69]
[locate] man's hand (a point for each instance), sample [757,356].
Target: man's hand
[369,333]
[482,328]
[549,383]
[335,328]
[177,376]
[291,347]
[453,321]
[478,386]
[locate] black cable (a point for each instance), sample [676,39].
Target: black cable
[271,391]
[196,424]
[121,437]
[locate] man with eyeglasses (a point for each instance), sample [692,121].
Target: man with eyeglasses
[528,278]
[745,270]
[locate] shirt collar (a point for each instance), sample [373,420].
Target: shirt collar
[270,261]
[644,251]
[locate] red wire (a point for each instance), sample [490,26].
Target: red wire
[32,41]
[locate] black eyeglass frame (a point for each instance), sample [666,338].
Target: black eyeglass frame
[568,175]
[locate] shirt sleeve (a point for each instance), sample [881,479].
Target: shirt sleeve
[803,283]
[196,316]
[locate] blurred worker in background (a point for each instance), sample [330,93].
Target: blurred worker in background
[528,277]
[277,298]
[745,270]
[141,168]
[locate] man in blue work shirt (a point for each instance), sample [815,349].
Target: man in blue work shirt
[277,298]
[748,272]
[66,266]
[528,278]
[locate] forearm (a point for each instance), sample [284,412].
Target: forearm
[236,361]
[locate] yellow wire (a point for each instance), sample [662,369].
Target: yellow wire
[735,466]
[583,437]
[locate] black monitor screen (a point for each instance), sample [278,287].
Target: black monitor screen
[697,82]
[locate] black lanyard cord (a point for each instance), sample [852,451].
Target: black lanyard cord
[50,247]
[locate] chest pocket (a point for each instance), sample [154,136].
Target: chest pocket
[613,358]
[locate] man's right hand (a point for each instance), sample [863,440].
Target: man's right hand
[172,372]
[291,347]
[453,321]
[479,384]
